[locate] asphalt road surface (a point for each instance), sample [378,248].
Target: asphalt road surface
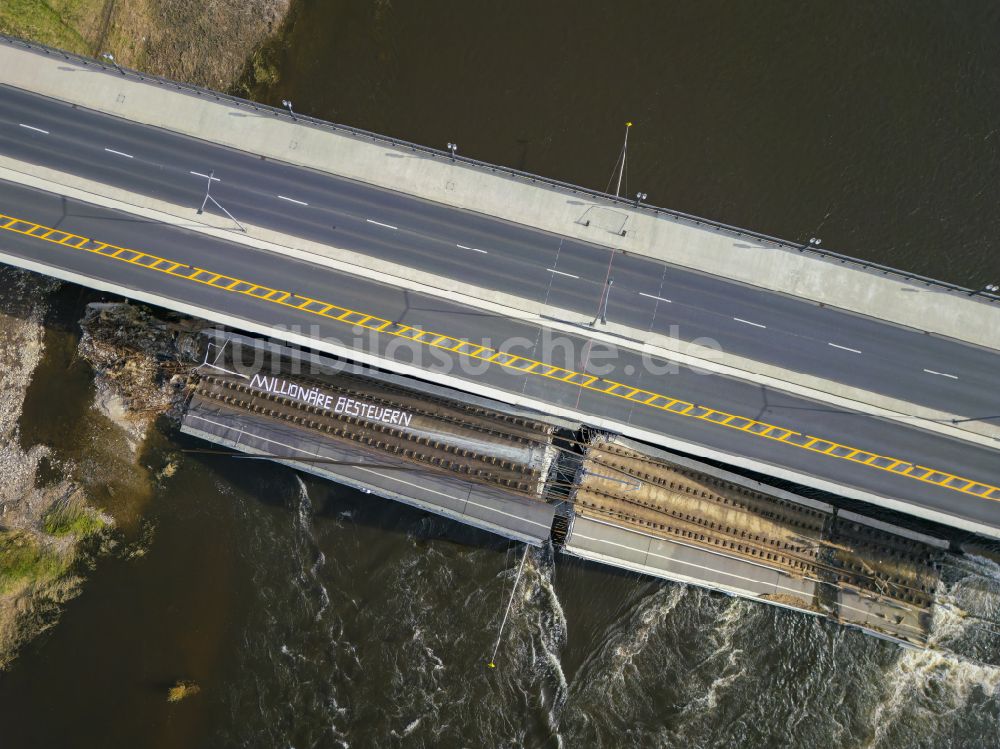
[490,253]
[272,306]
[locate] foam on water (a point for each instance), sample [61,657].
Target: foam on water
[675,666]
[550,632]
[969,620]
[646,622]
[928,689]
[304,513]
[730,672]
[933,688]
[293,642]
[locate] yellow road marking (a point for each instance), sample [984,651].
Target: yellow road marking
[514,362]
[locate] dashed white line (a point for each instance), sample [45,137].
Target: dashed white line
[293,200]
[844,348]
[463,247]
[32,127]
[205,176]
[427,489]
[653,296]
[379,223]
[560,273]
[119,153]
[677,560]
[747,322]
[941,374]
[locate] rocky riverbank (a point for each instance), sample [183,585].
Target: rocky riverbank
[138,360]
[49,527]
[43,525]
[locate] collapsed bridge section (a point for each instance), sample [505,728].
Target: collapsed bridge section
[464,460]
[685,521]
[592,495]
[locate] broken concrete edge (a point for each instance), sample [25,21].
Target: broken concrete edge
[614,561]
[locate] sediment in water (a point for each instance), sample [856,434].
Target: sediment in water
[48,524]
[42,526]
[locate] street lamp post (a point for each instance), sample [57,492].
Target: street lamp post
[111,58]
[639,197]
[607,295]
[287,104]
[453,147]
[814,243]
[208,196]
[621,171]
[992,288]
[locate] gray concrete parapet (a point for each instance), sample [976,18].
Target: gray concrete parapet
[700,244]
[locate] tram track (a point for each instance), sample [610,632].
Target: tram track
[449,438]
[625,487]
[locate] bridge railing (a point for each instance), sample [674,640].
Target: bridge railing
[805,249]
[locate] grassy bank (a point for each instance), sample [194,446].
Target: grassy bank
[43,523]
[33,559]
[72,25]
[37,569]
[209,44]
[27,562]
[36,557]
[72,518]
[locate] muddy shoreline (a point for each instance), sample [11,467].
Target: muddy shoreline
[72,480]
[76,407]
[46,520]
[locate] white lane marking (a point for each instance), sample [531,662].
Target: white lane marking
[36,129]
[468,501]
[747,322]
[379,223]
[844,348]
[293,200]
[649,553]
[657,298]
[560,273]
[941,374]
[256,436]
[205,176]
[463,247]
[118,153]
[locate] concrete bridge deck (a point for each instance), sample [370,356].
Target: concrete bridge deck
[823,413]
[700,244]
[843,451]
[801,345]
[786,338]
[489,508]
[616,503]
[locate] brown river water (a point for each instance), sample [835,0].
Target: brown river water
[314,616]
